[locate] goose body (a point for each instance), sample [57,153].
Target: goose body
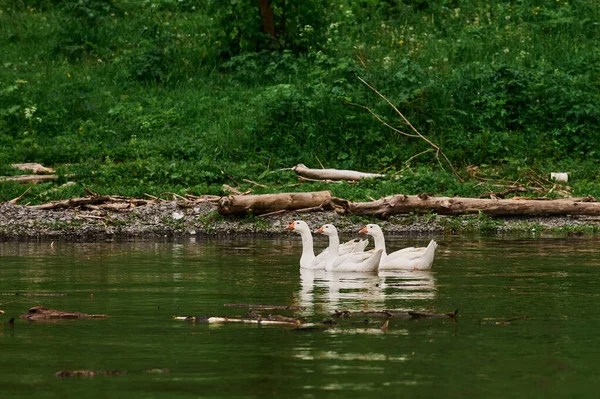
[352,262]
[308,260]
[410,258]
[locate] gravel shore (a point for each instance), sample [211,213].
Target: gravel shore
[168,219]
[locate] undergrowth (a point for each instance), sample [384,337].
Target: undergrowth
[128,97]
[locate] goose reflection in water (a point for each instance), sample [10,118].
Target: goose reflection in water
[322,291]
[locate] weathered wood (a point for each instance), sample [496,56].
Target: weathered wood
[40,313]
[34,167]
[28,178]
[404,204]
[266,203]
[332,174]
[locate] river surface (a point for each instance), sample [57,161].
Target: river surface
[491,351]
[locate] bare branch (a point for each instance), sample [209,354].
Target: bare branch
[418,134]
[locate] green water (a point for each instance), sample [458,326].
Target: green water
[555,352]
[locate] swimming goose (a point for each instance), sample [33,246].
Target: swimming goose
[408,258]
[352,262]
[308,260]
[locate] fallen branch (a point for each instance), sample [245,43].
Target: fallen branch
[503,194]
[321,180]
[303,210]
[437,149]
[266,203]
[332,174]
[15,200]
[213,199]
[34,167]
[28,178]
[255,183]
[405,204]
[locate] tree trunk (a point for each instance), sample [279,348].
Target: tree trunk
[399,204]
[266,203]
[331,174]
[268,19]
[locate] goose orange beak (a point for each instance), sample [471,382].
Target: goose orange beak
[290,226]
[363,230]
[319,230]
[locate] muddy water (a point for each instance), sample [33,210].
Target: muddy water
[554,352]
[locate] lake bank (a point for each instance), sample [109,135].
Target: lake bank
[170,220]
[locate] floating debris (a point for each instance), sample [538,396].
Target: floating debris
[221,320]
[503,322]
[40,313]
[87,373]
[93,373]
[390,314]
[263,307]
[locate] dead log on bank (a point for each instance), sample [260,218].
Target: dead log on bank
[34,167]
[405,204]
[267,203]
[332,174]
[28,178]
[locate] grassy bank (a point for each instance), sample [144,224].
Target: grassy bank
[134,97]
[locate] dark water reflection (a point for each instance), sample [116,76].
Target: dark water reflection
[552,353]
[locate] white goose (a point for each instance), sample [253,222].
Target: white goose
[308,260]
[408,258]
[352,262]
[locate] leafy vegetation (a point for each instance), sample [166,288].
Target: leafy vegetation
[133,97]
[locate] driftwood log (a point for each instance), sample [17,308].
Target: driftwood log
[404,204]
[331,174]
[268,203]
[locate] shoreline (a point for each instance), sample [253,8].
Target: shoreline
[171,220]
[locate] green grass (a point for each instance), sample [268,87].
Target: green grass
[129,98]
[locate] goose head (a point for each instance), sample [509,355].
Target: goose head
[327,229]
[371,229]
[298,225]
